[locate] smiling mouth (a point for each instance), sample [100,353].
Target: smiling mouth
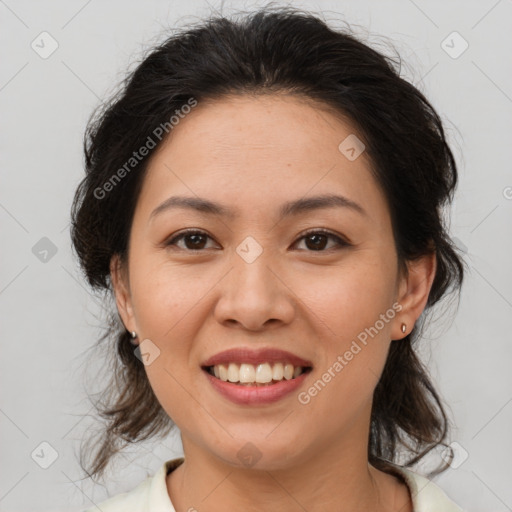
[265,374]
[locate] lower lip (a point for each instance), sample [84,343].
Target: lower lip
[248,395]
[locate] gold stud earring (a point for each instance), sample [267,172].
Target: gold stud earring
[403,328]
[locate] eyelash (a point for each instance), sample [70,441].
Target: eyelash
[340,241]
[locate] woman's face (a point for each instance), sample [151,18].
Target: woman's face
[252,279]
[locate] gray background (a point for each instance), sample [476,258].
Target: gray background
[49,319]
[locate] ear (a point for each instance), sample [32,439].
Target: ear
[414,290]
[119,279]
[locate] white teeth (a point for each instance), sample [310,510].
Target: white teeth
[223,372]
[233,372]
[263,373]
[278,371]
[247,373]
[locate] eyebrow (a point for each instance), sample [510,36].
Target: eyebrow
[287,209]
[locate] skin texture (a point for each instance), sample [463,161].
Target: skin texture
[253,153]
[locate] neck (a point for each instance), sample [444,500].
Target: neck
[338,479]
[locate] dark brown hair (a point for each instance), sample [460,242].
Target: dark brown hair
[265,52]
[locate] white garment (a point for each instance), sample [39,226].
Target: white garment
[151,494]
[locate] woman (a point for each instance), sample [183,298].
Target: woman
[264,199]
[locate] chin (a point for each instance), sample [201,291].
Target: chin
[260,454]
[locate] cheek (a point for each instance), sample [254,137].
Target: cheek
[165,297]
[347,299]
[352,310]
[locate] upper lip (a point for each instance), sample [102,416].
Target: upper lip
[252,356]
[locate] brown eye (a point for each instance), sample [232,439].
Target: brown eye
[194,240]
[318,240]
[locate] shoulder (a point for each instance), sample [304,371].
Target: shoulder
[149,496]
[426,496]
[134,500]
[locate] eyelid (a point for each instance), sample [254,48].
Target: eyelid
[171,241]
[340,239]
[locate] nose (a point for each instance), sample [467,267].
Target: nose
[255,295]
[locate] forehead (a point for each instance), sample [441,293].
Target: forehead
[252,152]
[266,123]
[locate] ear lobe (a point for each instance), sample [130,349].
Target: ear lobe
[415,289]
[122,294]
